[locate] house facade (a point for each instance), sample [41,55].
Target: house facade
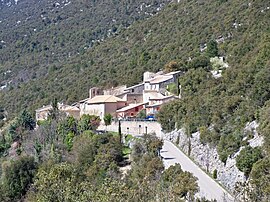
[122,101]
[155,103]
[44,112]
[130,111]
[101,105]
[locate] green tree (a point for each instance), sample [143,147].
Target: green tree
[212,49]
[228,145]
[138,150]
[119,132]
[264,127]
[69,140]
[54,112]
[67,125]
[108,119]
[153,144]
[260,180]
[180,183]
[199,62]
[89,122]
[59,182]
[84,150]
[147,169]
[141,114]
[247,157]
[171,67]
[17,176]
[166,116]
[26,121]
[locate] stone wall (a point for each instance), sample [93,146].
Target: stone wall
[135,127]
[204,155]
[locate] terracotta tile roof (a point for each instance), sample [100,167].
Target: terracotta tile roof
[61,107]
[104,99]
[154,105]
[44,108]
[173,73]
[160,79]
[137,85]
[131,106]
[154,95]
[70,108]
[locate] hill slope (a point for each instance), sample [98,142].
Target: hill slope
[35,35]
[179,33]
[174,34]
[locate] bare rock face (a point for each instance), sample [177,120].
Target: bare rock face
[15,145]
[207,157]
[257,140]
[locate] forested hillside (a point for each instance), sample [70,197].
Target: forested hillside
[65,159]
[176,33]
[39,37]
[189,33]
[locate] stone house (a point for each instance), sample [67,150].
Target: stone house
[130,111]
[43,112]
[155,100]
[101,105]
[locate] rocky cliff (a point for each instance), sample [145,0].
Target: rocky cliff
[207,157]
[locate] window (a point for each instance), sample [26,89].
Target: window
[136,109]
[132,90]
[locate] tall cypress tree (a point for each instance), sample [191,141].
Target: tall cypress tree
[119,131]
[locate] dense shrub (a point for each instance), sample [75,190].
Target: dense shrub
[247,157]
[215,174]
[17,176]
[228,145]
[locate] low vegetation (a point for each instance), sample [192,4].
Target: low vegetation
[65,160]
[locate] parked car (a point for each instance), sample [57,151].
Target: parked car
[150,117]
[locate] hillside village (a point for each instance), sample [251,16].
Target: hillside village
[123,102]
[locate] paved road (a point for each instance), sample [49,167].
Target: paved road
[208,187]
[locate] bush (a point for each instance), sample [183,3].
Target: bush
[204,135]
[108,119]
[177,140]
[207,136]
[142,114]
[172,88]
[201,61]
[228,145]
[212,49]
[215,174]
[89,122]
[3,147]
[17,176]
[247,157]
[260,178]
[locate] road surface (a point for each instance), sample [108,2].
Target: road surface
[208,187]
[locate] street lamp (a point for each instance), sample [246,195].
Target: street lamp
[146,130]
[127,130]
[140,129]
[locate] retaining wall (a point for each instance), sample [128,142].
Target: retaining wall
[134,127]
